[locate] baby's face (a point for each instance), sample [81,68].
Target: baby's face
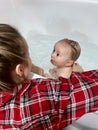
[60,55]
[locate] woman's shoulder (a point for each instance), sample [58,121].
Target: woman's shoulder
[89,73]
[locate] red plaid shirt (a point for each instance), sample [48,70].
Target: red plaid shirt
[47,104]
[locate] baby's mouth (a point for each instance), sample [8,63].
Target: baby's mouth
[52,61]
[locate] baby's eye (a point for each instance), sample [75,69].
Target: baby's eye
[58,54]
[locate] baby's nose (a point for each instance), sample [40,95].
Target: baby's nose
[52,56]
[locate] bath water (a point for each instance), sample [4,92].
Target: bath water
[41,47]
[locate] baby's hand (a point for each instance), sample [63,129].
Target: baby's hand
[49,73]
[52,71]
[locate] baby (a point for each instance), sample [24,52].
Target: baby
[64,55]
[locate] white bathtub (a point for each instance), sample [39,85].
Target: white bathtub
[43,22]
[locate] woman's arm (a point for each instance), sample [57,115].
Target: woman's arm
[37,70]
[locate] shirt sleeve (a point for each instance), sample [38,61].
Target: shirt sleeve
[54,104]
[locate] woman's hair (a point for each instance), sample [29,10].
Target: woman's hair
[13,51]
[75,48]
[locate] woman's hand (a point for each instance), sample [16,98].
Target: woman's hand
[77,68]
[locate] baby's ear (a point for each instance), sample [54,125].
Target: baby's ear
[69,63]
[19,69]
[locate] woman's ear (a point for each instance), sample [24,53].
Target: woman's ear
[69,63]
[20,69]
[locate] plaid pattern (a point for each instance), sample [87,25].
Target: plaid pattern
[43,104]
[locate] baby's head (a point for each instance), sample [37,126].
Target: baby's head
[74,46]
[64,51]
[13,51]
